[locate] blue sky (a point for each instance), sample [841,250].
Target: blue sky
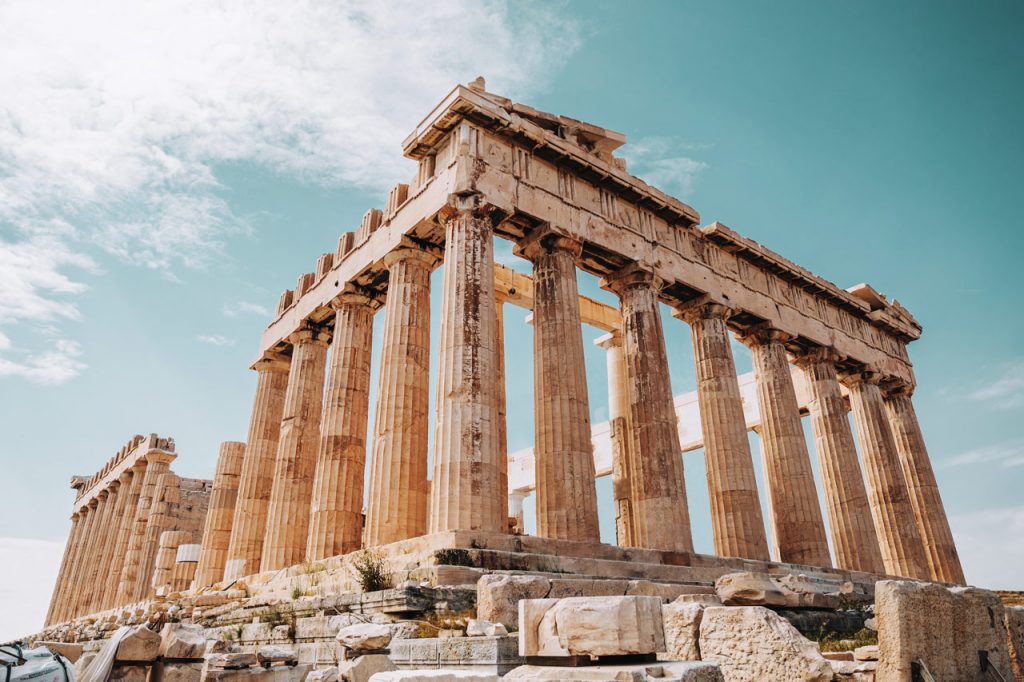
[166,171]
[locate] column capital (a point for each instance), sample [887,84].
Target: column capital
[610,340]
[113,485]
[632,276]
[547,239]
[817,355]
[413,252]
[271,361]
[155,456]
[353,294]
[702,308]
[893,387]
[863,376]
[309,332]
[762,335]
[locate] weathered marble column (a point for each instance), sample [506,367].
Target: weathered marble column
[186,562]
[90,573]
[125,526]
[167,551]
[118,492]
[564,455]
[849,514]
[73,554]
[515,510]
[898,537]
[73,604]
[60,585]
[161,517]
[284,543]
[932,524]
[217,527]
[660,512]
[245,549]
[622,446]
[799,530]
[397,505]
[336,521]
[467,468]
[133,580]
[735,508]
[499,343]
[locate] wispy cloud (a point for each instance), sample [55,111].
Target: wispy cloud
[1006,390]
[1006,454]
[989,558]
[245,308]
[215,340]
[665,163]
[116,113]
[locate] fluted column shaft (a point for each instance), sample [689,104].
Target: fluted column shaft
[217,527]
[618,423]
[735,508]
[660,512]
[849,514]
[72,607]
[499,344]
[898,537]
[161,518]
[133,580]
[799,530]
[245,549]
[125,524]
[60,611]
[563,452]
[932,524]
[116,502]
[467,468]
[100,532]
[62,578]
[185,567]
[336,522]
[167,550]
[397,505]
[284,543]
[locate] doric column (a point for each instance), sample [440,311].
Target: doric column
[73,605]
[515,509]
[563,452]
[167,551]
[131,489]
[940,550]
[245,549]
[217,527]
[499,344]
[133,580]
[467,468]
[115,502]
[660,512]
[735,508]
[799,530]
[90,575]
[898,537]
[397,505]
[336,522]
[186,562]
[62,578]
[66,585]
[618,423]
[849,515]
[284,543]
[161,517]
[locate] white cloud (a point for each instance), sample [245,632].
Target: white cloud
[49,367]
[27,575]
[662,162]
[245,308]
[215,340]
[1007,454]
[116,115]
[1006,391]
[987,541]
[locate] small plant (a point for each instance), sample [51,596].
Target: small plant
[454,557]
[371,571]
[297,592]
[832,642]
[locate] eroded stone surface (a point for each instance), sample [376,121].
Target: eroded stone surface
[595,626]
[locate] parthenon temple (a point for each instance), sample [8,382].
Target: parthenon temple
[489,168]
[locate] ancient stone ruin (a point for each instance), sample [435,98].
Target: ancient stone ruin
[432,569]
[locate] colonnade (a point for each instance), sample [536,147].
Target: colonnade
[308,474]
